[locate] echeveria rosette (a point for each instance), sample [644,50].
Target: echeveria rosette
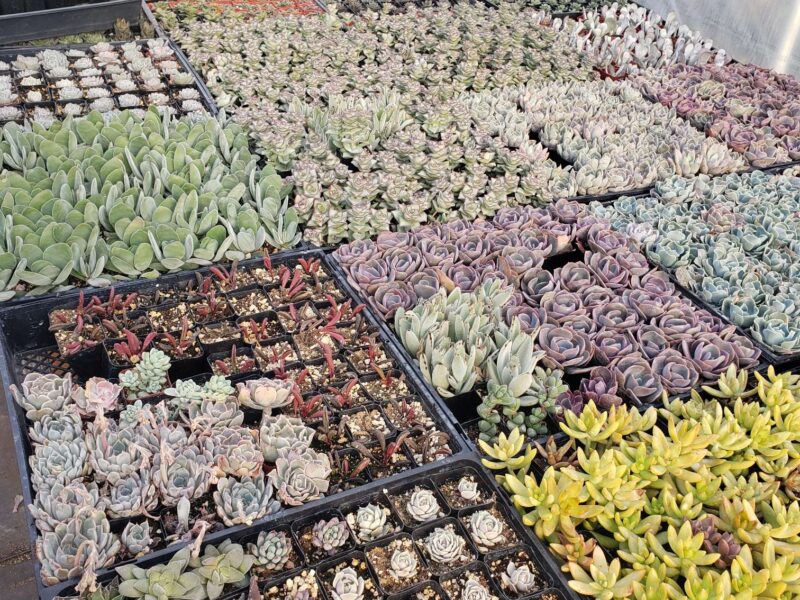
[564,348]
[616,316]
[389,297]
[636,377]
[536,283]
[569,401]
[560,306]
[425,284]
[777,331]
[596,295]
[520,260]
[369,274]
[710,354]
[403,262]
[574,277]
[464,276]
[678,374]
[436,253]
[530,319]
[608,270]
[610,345]
[651,341]
[356,251]
[679,323]
[601,388]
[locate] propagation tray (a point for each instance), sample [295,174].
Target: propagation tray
[27,345]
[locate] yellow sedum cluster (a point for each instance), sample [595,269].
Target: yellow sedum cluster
[697,500]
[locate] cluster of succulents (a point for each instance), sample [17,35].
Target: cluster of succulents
[54,84]
[701,504]
[617,140]
[317,413]
[752,109]
[625,39]
[732,241]
[169,194]
[173,16]
[377,138]
[610,310]
[462,339]
[564,6]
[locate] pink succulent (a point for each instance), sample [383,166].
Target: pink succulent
[97,397]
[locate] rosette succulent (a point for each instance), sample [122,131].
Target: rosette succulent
[299,477]
[282,433]
[445,546]
[331,535]
[272,550]
[42,395]
[371,522]
[244,501]
[422,505]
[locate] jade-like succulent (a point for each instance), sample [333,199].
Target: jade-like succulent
[148,377]
[171,580]
[220,566]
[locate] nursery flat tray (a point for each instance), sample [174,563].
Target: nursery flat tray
[27,345]
[291,521]
[55,22]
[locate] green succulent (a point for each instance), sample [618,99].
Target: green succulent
[148,377]
[244,501]
[221,565]
[162,581]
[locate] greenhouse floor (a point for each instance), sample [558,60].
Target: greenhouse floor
[16,574]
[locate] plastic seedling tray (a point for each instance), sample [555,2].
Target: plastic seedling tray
[294,523]
[72,17]
[27,345]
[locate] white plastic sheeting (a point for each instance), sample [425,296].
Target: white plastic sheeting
[764,32]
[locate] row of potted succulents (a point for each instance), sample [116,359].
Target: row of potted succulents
[172,16]
[55,83]
[441,538]
[122,466]
[470,299]
[699,503]
[752,109]
[623,39]
[96,200]
[378,139]
[616,139]
[732,241]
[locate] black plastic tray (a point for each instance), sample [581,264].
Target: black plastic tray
[22,350]
[352,499]
[55,22]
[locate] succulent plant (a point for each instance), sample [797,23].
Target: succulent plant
[371,522]
[272,550]
[282,433]
[488,531]
[347,585]
[61,426]
[148,377]
[403,564]
[234,451]
[264,394]
[77,547]
[42,395]
[114,452]
[58,463]
[170,579]
[97,396]
[226,564]
[330,536]
[423,506]
[61,503]
[299,477]
[445,546]
[136,538]
[183,472]
[132,495]
[244,501]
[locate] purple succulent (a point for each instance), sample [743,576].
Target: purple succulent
[635,262]
[458,228]
[651,340]
[389,239]
[678,374]
[647,305]
[596,295]
[438,254]
[559,229]
[603,240]
[546,242]
[608,270]
[535,284]
[574,276]
[582,323]
[513,218]
[561,305]
[615,316]
[464,276]
[565,348]
[403,262]
[388,297]
[472,246]
[601,388]
[679,323]
[655,282]
[586,223]
[521,260]
[635,376]
[531,319]
[357,251]
[499,240]
[369,274]
[567,211]
[425,283]
[710,354]
[747,355]
[438,232]
[568,401]
[609,345]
